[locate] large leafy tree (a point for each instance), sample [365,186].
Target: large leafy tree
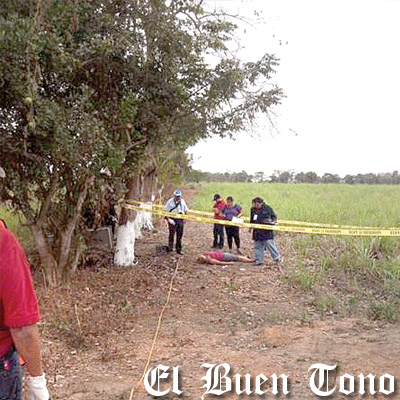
[123,86]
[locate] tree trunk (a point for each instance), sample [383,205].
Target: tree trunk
[141,187]
[149,190]
[125,247]
[49,264]
[67,234]
[133,194]
[125,232]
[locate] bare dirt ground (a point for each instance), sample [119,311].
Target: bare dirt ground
[97,332]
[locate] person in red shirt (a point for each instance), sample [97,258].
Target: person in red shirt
[219,204]
[19,315]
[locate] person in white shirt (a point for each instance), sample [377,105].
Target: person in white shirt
[176,205]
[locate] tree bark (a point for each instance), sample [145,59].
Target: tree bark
[149,183]
[133,194]
[125,247]
[49,264]
[67,234]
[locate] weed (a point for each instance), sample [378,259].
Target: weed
[383,310]
[327,262]
[352,306]
[325,304]
[232,326]
[70,332]
[306,319]
[273,317]
[231,287]
[126,306]
[108,351]
[305,279]
[353,302]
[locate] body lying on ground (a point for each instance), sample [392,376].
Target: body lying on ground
[222,258]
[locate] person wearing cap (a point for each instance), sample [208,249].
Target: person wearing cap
[19,315]
[219,204]
[175,205]
[261,213]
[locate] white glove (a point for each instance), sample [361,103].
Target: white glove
[171,221]
[36,388]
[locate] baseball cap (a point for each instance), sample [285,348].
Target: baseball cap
[177,192]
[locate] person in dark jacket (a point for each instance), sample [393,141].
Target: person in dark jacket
[263,238]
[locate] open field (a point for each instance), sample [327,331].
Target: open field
[370,205]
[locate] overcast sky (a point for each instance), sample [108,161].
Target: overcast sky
[340,71]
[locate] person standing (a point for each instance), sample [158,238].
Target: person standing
[176,205]
[19,315]
[219,204]
[263,238]
[232,210]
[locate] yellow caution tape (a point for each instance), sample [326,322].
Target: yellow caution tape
[281,221]
[393,232]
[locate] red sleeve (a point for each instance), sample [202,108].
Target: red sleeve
[17,296]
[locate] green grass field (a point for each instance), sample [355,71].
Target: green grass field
[368,268]
[364,205]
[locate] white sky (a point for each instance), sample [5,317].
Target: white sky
[340,71]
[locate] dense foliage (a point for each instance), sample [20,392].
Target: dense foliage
[96,92]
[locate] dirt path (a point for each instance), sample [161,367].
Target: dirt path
[98,332]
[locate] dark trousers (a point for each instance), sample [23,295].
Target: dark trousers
[10,377]
[178,228]
[232,232]
[218,236]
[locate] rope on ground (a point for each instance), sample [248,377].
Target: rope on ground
[157,331]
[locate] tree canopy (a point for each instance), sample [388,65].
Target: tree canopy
[120,86]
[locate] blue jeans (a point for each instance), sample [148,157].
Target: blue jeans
[10,376]
[218,236]
[259,249]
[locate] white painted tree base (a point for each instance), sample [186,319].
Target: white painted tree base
[126,236]
[143,221]
[125,248]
